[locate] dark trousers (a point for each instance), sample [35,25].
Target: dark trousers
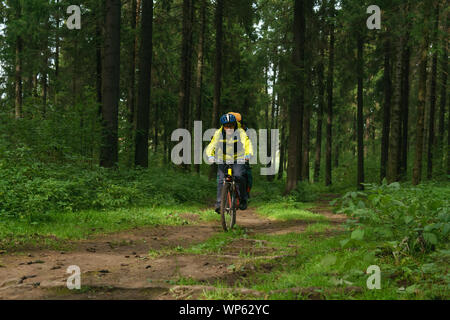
[239,173]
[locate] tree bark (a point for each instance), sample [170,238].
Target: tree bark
[386,108]
[283,113]
[297,93]
[272,119]
[337,145]
[283,139]
[360,75]
[266,91]
[144,86]
[308,92]
[18,78]
[185,85]
[111,82]
[18,67]
[218,63]
[443,94]
[306,141]
[217,73]
[131,90]
[329,142]
[431,120]
[318,155]
[405,107]
[422,89]
[200,62]
[448,145]
[57,49]
[392,168]
[274,97]
[44,82]
[98,53]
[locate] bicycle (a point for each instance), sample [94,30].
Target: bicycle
[229,200]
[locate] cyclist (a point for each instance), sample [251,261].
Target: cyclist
[248,169]
[230,144]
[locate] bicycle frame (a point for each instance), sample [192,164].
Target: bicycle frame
[230,200]
[229,178]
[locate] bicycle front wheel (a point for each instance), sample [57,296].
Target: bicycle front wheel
[227,207]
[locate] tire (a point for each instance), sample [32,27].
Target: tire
[227,207]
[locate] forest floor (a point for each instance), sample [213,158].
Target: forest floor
[193,261]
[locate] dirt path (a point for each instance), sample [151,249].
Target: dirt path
[118,266]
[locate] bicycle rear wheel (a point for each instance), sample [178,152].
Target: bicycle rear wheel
[228,207]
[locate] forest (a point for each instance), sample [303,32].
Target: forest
[92,91]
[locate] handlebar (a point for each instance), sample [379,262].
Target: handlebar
[243,161]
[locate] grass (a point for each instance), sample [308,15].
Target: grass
[322,263]
[289,210]
[217,243]
[317,260]
[53,229]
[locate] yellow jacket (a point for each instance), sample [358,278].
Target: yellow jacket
[240,143]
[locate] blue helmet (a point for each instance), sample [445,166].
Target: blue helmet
[228,118]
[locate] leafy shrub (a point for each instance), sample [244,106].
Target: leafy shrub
[304,192]
[27,187]
[410,219]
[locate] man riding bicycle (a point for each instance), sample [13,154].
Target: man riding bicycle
[231,144]
[248,169]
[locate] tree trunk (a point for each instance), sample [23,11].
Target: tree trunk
[144,86]
[330,76]
[405,108]
[422,89]
[200,62]
[156,129]
[274,97]
[283,114]
[18,78]
[272,120]
[56,57]
[307,123]
[300,93]
[131,90]
[44,83]
[75,75]
[306,142]
[443,95]
[35,85]
[431,122]
[266,97]
[283,139]
[337,146]
[111,82]
[373,131]
[366,133]
[300,141]
[185,85]
[18,71]
[392,168]
[448,145]
[320,71]
[296,106]
[308,92]
[218,63]
[165,138]
[360,75]
[217,73]
[98,52]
